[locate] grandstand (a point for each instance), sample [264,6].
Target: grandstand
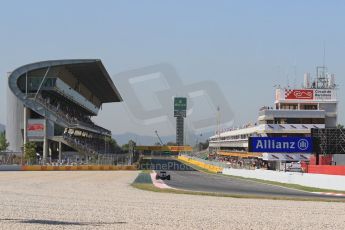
[52,103]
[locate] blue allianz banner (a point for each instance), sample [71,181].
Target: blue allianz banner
[281,144]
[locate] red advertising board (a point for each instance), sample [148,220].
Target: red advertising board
[302,94]
[35,129]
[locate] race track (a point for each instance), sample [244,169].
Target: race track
[193,180]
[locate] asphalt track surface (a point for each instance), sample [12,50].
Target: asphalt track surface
[193,180]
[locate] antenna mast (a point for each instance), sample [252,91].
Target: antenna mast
[324,54]
[321,78]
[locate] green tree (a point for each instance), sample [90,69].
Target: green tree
[30,151]
[340,126]
[113,145]
[3,142]
[125,147]
[203,145]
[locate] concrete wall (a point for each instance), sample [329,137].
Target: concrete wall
[311,180]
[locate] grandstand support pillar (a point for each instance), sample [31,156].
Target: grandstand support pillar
[45,149]
[60,151]
[25,138]
[25,132]
[45,143]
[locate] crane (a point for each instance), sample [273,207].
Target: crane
[160,140]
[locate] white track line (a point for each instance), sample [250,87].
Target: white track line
[330,193]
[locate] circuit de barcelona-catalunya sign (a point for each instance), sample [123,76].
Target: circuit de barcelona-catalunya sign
[281,144]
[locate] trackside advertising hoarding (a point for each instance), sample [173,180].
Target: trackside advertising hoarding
[281,144]
[165,148]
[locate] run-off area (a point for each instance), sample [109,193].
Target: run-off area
[106,200]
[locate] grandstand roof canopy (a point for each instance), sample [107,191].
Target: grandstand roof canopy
[90,72]
[95,77]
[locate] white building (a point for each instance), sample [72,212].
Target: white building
[295,113]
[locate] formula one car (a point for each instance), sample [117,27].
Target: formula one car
[162,175]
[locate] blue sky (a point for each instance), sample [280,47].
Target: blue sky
[246,47]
